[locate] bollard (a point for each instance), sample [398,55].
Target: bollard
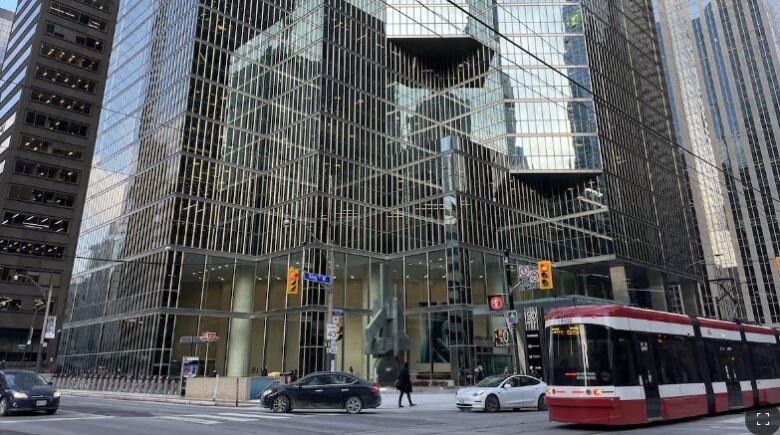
[216,385]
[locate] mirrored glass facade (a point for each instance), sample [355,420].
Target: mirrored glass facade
[377,142]
[722,57]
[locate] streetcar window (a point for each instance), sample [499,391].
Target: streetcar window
[726,360]
[765,360]
[676,359]
[580,355]
[623,352]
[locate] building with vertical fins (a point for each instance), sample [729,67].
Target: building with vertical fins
[722,59]
[419,154]
[53,76]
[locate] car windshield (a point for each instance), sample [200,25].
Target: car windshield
[492,381]
[23,379]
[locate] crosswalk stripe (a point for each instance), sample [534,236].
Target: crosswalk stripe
[190,419]
[269,416]
[223,417]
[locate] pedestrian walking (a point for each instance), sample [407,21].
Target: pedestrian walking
[351,371]
[506,371]
[479,373]
[404,385]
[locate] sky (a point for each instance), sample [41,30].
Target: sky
[8,4]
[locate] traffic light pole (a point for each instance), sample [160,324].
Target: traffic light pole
[43,332]
[330,358]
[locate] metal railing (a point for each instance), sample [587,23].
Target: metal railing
[118,384]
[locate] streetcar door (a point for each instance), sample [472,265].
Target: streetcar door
[733,387]
[648,376]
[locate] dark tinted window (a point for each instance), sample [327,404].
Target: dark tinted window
[342,379]
[23,379]
[525,380]
[766,360]
[580,355]
[726,360]
[316,380]
[676,359]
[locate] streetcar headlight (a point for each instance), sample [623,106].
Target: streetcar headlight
[597,392]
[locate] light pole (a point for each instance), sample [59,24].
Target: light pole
[45,318]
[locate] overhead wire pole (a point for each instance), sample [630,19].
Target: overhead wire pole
[47,296]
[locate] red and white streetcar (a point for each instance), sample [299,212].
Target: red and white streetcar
[617,365]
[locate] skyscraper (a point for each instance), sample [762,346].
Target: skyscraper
[52,84]
[6,20]
[722,58]
[410,151]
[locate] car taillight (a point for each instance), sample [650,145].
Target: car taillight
[374,389]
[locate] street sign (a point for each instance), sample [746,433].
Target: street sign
[209,337]
[332,347]
[316,277]
[51,328]
[511,317]
[496,302]
[524,271]
[502,336]
[332,333]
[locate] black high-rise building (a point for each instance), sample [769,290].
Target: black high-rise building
[52,84]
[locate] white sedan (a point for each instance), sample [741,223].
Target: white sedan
[495,393]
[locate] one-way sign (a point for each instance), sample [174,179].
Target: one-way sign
[316,277]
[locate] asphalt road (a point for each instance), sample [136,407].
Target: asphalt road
[433,415]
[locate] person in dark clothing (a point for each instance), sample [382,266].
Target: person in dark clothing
[404,385]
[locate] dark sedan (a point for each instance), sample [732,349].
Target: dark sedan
[22,390]
[324,390]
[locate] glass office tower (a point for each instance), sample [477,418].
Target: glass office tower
[723,62]
[411,151]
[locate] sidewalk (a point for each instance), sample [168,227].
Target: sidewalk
[425,397]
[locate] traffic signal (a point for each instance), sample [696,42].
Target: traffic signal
[293,280]
[544,268]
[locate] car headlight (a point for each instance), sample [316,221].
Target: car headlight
[57,394]
[20,395]
[478,393]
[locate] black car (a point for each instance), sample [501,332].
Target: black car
[331,390]
[22,390]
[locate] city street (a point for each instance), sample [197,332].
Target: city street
[433,415]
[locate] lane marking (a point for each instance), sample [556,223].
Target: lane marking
[190,420]
[43,420]
[222,417]
[270,417]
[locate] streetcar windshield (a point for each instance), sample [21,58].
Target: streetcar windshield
[580,355]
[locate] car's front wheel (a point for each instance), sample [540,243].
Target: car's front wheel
[5,408]
[353,405]
[492,404]
[541,404]
[281,404]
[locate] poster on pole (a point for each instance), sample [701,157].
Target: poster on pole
[50,330]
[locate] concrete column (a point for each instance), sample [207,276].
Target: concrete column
[241,329]
[657,289]
[617,276]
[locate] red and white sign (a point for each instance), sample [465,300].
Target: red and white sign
[209,337]
[496,303]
